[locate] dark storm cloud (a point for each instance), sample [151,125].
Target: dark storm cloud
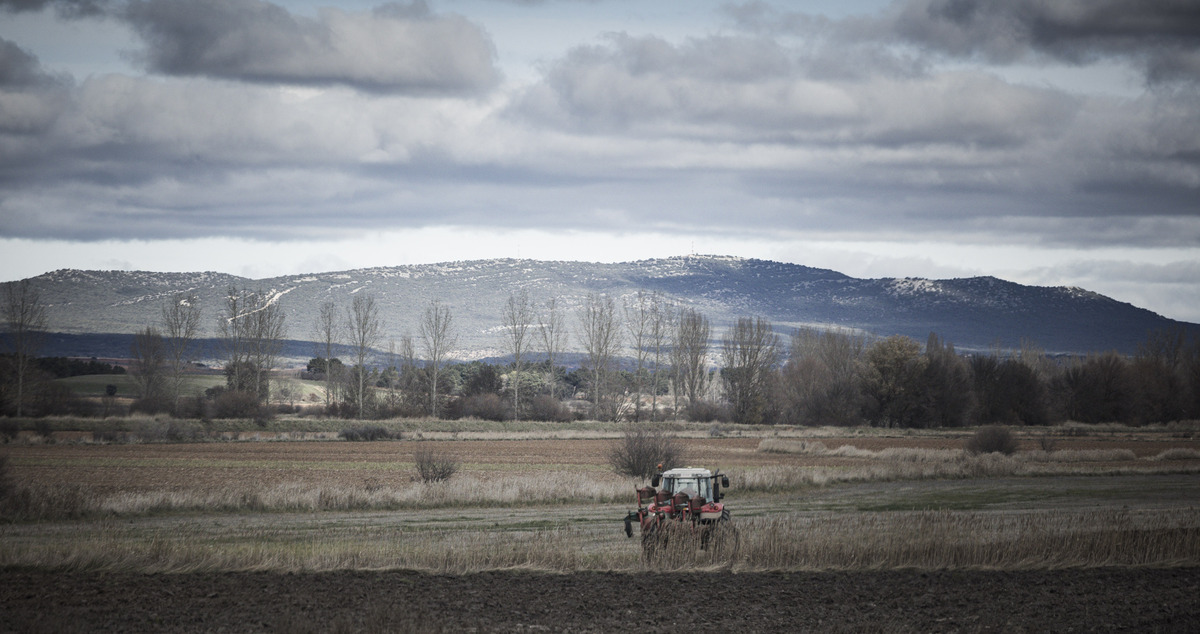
[748,89]
[1162,37]
[395,48]
[64,8]
[824,135]
[19,68]
[30,100]
[1078,31]
[887,140]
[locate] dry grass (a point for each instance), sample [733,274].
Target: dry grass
[321,482]
[905,463]
[909,454]
[942,539]
[821,541]
[781,479]
[33,502]
[1178,453]
[1079,455]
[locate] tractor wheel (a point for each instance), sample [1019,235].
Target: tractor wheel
[652,542]
[721,537]
[669,541]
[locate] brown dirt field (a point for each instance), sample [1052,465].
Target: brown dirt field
[1092,600]
[144,467]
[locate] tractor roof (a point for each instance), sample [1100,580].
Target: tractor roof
[687,472]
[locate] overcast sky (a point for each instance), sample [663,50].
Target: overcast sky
[1050,142]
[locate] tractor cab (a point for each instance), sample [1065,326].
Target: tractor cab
[691,482]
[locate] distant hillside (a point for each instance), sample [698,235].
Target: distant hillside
[973,313]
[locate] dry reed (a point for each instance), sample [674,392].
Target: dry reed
[819,541]
[911,454]
[36,502]
[1177,453]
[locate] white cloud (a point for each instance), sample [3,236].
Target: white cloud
[395,48]
[282,141]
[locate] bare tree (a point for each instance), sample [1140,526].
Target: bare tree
[518,316]
[554,338]
[638,320]
[823,377]
[600,333]
[391,376]
[662,321]
[327,332]
[894,381]
[410,382]
[148,351]
[947,400]
[266,335]
[438,337]
[233,335]
[1035,357]
[25,317]
[362,326]
[180,324]
[689,356]
[640,451]
[750,352]
[1161,376]
[251,329]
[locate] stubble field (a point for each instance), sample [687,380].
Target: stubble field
[835,532]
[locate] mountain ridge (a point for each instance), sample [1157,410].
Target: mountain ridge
[973,313]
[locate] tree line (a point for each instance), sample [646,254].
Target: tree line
[643,358]
[839,378]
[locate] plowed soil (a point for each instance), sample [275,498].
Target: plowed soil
[1091,600]
[142,467]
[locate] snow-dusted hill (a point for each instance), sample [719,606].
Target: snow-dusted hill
[972,313]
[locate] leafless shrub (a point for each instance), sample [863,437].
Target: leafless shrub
[639,452]
[236,404]
[168,430]
[992,439]
[707,411]
[9,429]
[110,436]
[367,432]
[547,408]
[43,429]
[486,407]
[6,483]
[435,466]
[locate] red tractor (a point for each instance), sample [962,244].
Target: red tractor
[688,503]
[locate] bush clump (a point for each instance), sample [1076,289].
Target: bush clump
[169,430]
[992,439]
[6,481]
[367,432]
[237,404]
[487,406]
[435,466]
[640,450]
[9,429]
[546,408]
[708,412]
[152,405]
